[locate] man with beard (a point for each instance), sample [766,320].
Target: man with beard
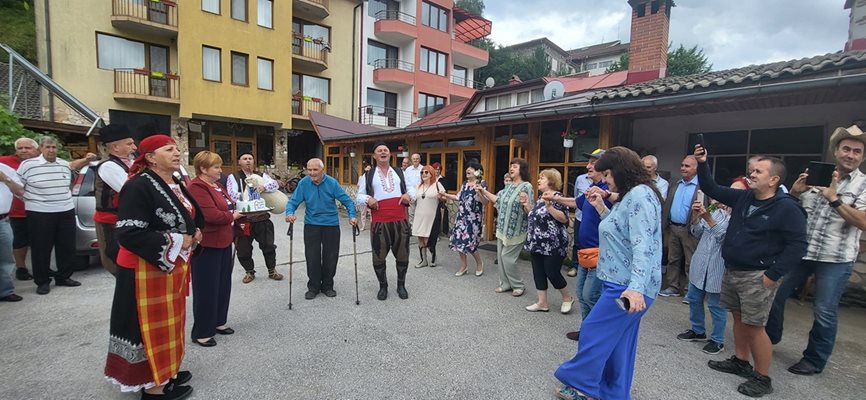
[111,174]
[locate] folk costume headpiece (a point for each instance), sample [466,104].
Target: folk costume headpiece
[149,145]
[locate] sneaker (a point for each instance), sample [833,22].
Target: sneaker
[311,294]
[248,277]
[669,292]
[569,393]
[713,347]
[734,366]
[573,335]
[330,292]
[756,386]
[22,274]
[692,336]
[685,301]
[275,275]
[572,272]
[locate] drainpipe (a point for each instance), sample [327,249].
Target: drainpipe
[48,59]
[355,45]
[360,61]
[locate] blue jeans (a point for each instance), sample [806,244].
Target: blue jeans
[7,262]
[695,297]
[587,288]
[830,281]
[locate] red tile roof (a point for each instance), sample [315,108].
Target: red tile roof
[449,113]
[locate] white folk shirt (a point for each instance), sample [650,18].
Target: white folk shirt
[413,179]
[113,175]
[5,193]
[378,189]
[46,185]
[830,238]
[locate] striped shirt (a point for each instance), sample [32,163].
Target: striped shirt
[707,265]
[46,185]
[830,238]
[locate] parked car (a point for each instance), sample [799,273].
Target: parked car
[83,196]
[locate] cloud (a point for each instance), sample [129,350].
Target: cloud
[733,33]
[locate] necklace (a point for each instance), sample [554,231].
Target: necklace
[390,181]
[424,193]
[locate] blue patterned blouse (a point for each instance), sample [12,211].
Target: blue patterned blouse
[546,235]
[630,242]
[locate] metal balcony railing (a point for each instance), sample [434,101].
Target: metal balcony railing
[392,63]
[157,11]
[302,105]
[316,49]
[461,81]
[395,15]
[385,116]
[146,83]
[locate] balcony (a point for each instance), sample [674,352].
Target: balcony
[468,55]
[385,116]
[302,105]
[141,84]
[310,53]
[393,73]
[315,9]
[464,88]
[395,27]
[151,17]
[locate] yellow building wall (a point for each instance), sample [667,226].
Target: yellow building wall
[340,67]
[202,98]
[74,26]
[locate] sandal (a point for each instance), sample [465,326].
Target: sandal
[517,292]
[501,290]
[275,275]
[248,277]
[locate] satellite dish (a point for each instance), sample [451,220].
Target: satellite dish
[489,82]
[553,90]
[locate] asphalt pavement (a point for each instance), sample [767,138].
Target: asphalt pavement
[454,338]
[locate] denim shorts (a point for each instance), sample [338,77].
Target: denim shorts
[744,291]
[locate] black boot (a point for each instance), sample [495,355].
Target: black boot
[383,291]
[383,283]
[401,284]
[432,255]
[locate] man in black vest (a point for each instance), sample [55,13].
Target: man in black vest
[256,227]
[111,174]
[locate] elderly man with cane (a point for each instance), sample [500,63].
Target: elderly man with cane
[321,225]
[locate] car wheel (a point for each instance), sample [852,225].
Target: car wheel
[81,262]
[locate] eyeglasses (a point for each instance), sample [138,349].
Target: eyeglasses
[425,173]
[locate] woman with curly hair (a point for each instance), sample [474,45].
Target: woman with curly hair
[629,266]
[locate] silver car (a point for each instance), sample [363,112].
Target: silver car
[83,196]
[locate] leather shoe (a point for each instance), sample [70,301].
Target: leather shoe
[535,308]
[44,288]
[803,367]
[566,306]
[383,292]
[208,343]
[181,378]
[573,335]
[331,293]
[311,294]
[66,282]
[22,274]
[171,392]
[225,331]
[401,291]
[11,298]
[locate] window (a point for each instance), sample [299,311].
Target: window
[381,105]
[433,61]
[459,76]
[239,69]
[591,66]
[312,87]
[434,16]
[380,51]
[522,98]
[376,7]
[505,101]
[428,104]
[537,95]
[265,73]
[210,63]
[265,13]
[239,10]
[211,6]
[116,52]
[311,30]
[605,64]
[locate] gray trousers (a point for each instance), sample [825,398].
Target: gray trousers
[509,275]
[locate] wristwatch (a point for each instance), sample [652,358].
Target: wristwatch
[836,203]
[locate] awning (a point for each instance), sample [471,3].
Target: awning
[468,26]
[329,127]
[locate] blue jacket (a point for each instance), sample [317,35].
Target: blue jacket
[772,239]
[320,200]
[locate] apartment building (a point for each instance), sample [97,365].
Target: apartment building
[215,74]
[415,57]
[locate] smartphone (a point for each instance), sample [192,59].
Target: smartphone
[700,141]
[623,303]
[820,174]
[699,197]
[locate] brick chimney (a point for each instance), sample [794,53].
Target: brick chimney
[857,25]
[648,50]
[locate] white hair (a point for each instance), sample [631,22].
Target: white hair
[321,163]
[25,139]
[653,159]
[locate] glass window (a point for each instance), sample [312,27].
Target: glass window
[459,75]
[265,13]
[428,104]
[211,6]
[551,150]
[116,52]
[537,95]
[721,143]
[520,131]
[376,6]
[433,61]
[210,63]
[431,144]
[604,64]
[380,51]
[451,174]
[505,100]
[434,16]
[461,142]
[800,140]
[522,98]
[239,10]
[490,103]
[265,73]
[312,87]
[239,69]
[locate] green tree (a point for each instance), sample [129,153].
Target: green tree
[13,130]
[474,6]
[505,62]
[619,65]
[18,27]
[681,61]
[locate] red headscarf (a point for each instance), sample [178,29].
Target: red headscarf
[149,145]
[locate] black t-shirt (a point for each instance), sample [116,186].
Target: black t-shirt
[755,205]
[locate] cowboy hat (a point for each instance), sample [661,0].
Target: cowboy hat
[851,132]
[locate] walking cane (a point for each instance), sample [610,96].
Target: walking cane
[291,234]
[355,233]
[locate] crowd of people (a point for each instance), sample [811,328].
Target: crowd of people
[160,234]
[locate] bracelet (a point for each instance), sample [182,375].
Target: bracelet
[836,203]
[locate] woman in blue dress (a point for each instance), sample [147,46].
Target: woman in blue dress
[470,215]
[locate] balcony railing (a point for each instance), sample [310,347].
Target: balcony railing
[385,116]
[396,15]
[302,105]
[461,81]
[162,12]
[392,63]
[147,85]
[315,49]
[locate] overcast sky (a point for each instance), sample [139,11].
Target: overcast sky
[733,33]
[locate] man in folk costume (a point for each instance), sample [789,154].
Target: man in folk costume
[111,174]
[385,194]
[256,227]
[157,229]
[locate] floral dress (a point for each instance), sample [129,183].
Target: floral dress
[470,214]
[546,235]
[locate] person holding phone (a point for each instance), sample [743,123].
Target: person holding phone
[770,218]
[836,217]
[629,265]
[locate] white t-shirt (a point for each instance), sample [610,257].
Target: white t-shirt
[46,185]
[6,194]
[413,179]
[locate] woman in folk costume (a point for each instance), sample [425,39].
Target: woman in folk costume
[157,229]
